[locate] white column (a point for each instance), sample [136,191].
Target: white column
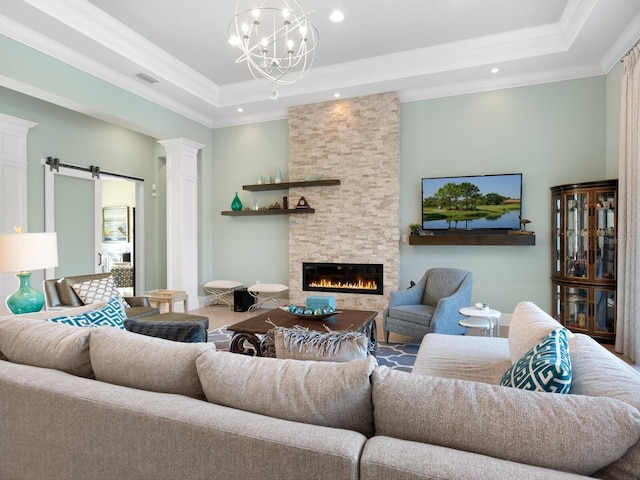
[13,188]
[182,216]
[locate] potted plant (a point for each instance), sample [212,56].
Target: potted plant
[415,228]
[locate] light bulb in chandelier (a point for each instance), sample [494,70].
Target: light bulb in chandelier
[276,39]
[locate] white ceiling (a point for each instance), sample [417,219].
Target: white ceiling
[422,49]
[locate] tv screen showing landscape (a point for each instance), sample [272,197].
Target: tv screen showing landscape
[472,202]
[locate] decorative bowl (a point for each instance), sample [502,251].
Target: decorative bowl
[309,316]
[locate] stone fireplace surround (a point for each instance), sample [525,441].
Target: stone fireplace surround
[356,141]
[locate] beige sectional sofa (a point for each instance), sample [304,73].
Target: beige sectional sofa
[80,403]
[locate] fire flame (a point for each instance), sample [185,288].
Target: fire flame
[360,285]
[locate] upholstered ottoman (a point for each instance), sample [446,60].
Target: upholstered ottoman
[176,326]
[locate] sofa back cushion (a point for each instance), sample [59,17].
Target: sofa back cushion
[320,393]
[529,326]
[42,344]
[561,432]
[147,363]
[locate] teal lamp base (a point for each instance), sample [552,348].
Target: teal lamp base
[25,299]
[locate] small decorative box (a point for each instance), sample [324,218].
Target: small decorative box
[320,301]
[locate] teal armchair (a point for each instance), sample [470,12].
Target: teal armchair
[429,306]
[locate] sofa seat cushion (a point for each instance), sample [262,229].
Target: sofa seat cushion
[529,325]
[320,393]
[109,315]
[147,363]
[481,359]
[571,433]
[42,344]
[413,313]
[544,368]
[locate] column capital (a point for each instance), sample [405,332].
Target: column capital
[180,144]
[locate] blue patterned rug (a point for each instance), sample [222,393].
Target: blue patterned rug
[398,356]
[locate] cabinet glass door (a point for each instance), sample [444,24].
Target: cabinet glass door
[576,308]
[556,292]
[605,235]
[577,238]
[557,235]
[605,310]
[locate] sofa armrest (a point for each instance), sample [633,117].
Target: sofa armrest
[138,301]
[387,457]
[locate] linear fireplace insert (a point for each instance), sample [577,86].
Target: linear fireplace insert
[342,277]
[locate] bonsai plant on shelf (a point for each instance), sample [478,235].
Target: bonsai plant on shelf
[415,228]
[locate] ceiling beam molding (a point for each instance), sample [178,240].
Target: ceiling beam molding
[574,17]
[96,25]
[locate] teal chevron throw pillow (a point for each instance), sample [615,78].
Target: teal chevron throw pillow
[544,368]
[111,315]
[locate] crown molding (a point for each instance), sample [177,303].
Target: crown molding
[367,76]
[49,47]
[92,22]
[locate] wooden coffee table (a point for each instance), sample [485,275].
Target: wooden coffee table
[248,330]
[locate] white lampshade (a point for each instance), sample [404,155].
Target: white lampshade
[21,252]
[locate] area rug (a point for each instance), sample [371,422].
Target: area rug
[397,356]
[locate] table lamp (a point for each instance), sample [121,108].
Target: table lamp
[22,252]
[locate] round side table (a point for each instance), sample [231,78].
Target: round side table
[486,319]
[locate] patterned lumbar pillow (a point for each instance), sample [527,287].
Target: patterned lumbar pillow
[111,315]
[544,368]
[98,290]
[336,346]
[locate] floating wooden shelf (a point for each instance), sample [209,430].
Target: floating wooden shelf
[469,238]
[287,185]
[255,213]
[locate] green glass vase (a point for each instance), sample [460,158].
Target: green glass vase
[236,205]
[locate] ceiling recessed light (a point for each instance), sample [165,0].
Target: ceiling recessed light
[336,95]
[495,70]
[336,16]
[240,110]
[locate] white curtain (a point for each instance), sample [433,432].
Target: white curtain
[628,321]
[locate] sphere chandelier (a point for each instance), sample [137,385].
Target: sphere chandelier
[276,38]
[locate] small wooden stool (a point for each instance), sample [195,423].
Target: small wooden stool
[220,291]
[169,297]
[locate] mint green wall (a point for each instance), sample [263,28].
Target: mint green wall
[77,139]
[552,134]
[246,249]
[125,141]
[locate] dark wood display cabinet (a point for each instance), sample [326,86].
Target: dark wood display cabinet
[583,250]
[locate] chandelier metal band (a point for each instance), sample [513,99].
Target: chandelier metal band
[276,38]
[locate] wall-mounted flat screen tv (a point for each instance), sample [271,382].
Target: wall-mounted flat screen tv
[481,202]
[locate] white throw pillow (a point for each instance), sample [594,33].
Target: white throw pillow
[98,290]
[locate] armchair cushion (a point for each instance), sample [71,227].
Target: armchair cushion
[420,314]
